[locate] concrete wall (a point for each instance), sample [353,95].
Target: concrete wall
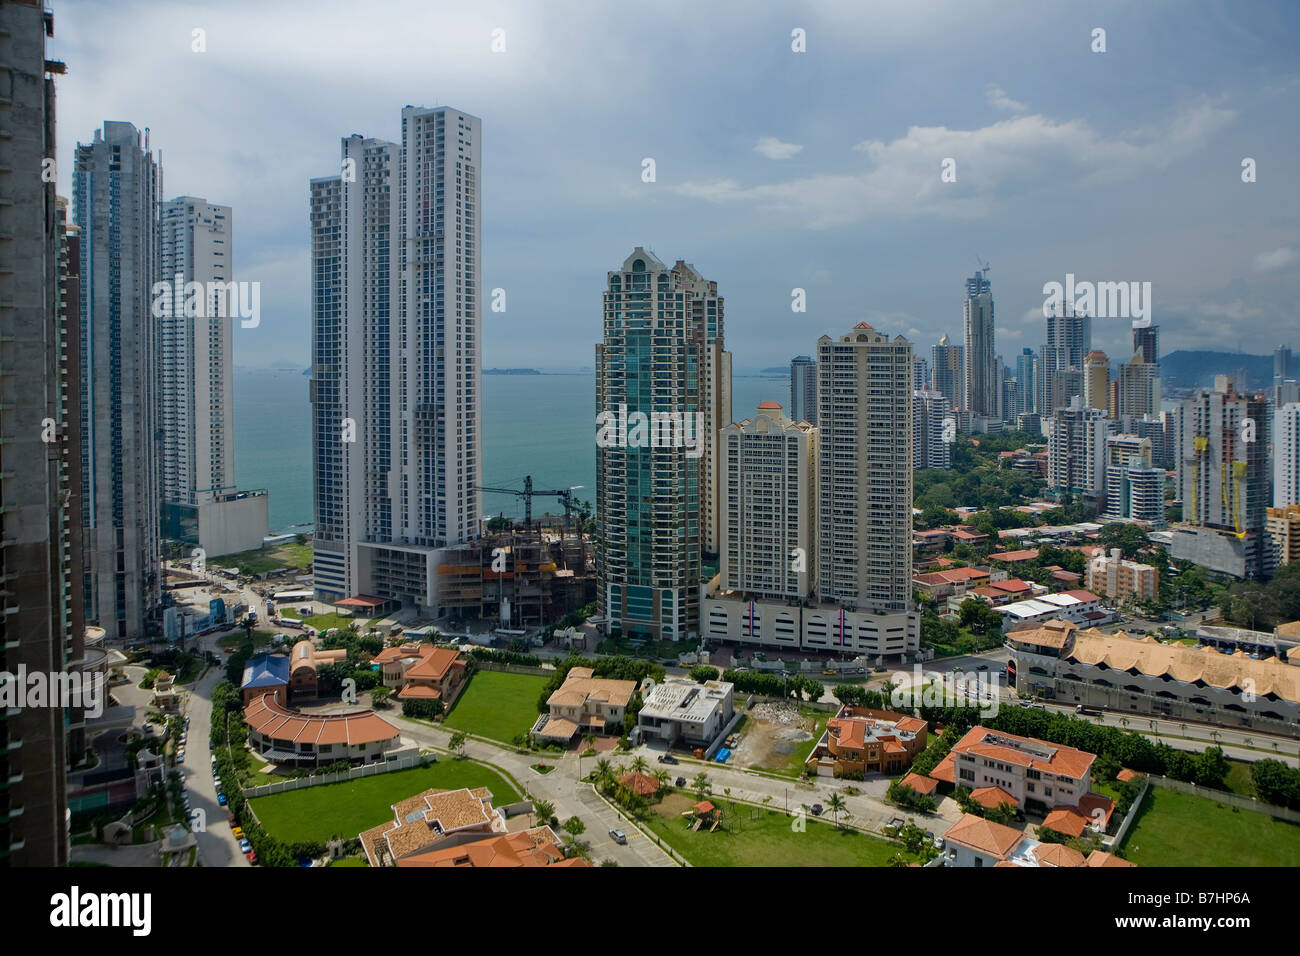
[238,524]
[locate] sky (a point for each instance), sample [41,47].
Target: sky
[774,170]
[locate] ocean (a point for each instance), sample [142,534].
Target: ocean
[539,425]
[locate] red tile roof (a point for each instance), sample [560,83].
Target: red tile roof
[991,797]
[920,784]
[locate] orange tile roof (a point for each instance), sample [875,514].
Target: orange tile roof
[579,687]
[911,724]
[985,836]
[435,664]
[1066,820]
[1058,854]
[850,733]
[946,769]
[1102,858]
[272,719]
[425,819]
[640,783]
[527,848]
[920,784]
[1125,775]
[992,797]
[1026,554]
[997,745]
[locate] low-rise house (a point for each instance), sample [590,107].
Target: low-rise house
[954,581]
[1079,607]
[1034,775]
[584,704]
[432,818]
[422,671]
[975,842]
[684,710]
[538,846]
[860,740]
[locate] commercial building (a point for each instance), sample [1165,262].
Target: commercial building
[1069,340]
[982,395]
[657,495]
[396,298]
[1076,451]
[1134,489]
[1028,374]
[202,506]
[1138,387]
[948,372]
[116,185]
[929,415]
[585,704]
[305,660]
[803,390]
[1286,455]
[1096,381]
[1282,527]
[860,740]
[1078,606]
[1223,480]
[1113,577]
[1144,676]
[42,629]
[1146,340]
[681,709]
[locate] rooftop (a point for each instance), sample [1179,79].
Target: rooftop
[685,700]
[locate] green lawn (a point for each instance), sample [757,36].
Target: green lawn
[324,621]
[1182,829]
[350,861]
[318,813]
[762,837]
[497,705]
[1239,780]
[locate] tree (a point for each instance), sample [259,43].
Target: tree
[379,696]
[639,765]
[703,672]
[701,785]
[574,827]
[837,805]
[663,778]
[457,743]
[545,811]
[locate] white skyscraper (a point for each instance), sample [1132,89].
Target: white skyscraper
[768,516]
[1076,450]
[929,411]
[396,361]
[196,416]
[1286,455]
[982,396]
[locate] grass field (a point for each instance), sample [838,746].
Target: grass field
[1182,829]
[497,705]
[345,809]
[261,560]
[324,621]
[762,837]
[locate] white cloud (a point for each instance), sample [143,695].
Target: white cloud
[993,163]
[773,148]
[998,98]
[1277,259]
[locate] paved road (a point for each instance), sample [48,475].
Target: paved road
[561,788]
[217,846]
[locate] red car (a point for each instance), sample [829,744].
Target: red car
[252,856]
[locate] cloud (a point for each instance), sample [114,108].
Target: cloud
[998,98]
[1019,154]
[1277,259]
[773,148]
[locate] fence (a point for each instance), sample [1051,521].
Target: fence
[352,773]
[1232,799]
[513,668]
[1129,817]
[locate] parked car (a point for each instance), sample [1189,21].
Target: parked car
[221,799]
[237,832]
[817,809]
[680,782]
[618,836]
[244,845]
[668,758]
[252,856]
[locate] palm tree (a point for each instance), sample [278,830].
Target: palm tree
[836,804]
[604,772]
[662,777]
[639,765]
[898,860]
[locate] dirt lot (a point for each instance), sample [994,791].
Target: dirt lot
[773,732]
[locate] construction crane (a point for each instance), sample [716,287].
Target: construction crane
[565,496]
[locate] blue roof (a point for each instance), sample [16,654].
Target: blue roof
[265,670]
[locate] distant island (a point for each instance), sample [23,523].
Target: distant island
[511,371]
[781,370]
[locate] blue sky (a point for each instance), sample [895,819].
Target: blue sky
[774,169]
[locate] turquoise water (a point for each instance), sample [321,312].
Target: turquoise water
[539,425]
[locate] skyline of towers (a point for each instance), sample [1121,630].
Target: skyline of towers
[116,185]
[948,372]
[396,356]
